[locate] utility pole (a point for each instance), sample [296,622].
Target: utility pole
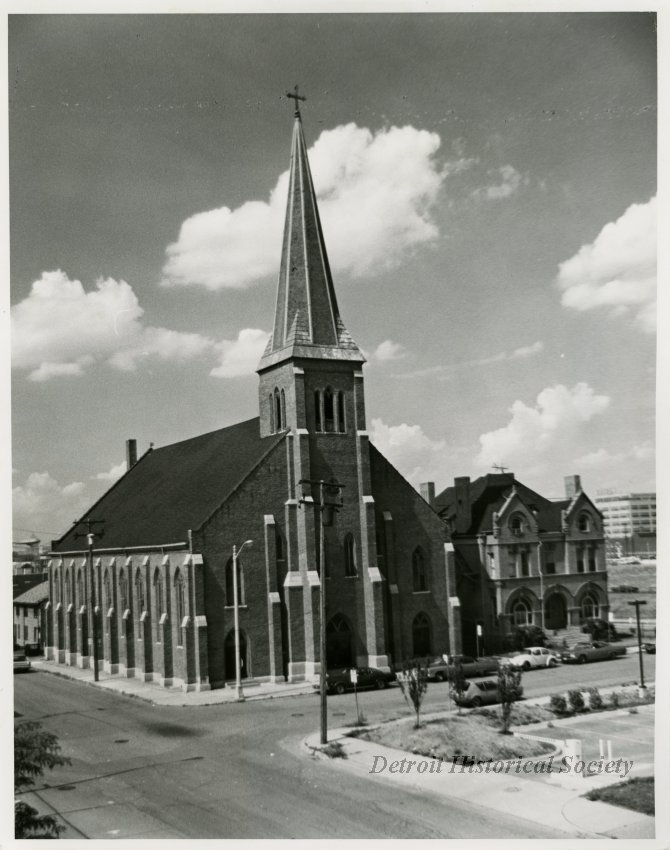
[327,510]
[90,535]
[637,603]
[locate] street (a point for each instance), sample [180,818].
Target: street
[236,771]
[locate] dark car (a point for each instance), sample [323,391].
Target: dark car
[600,629]
[650,648]
[596,650]
[442,668]
[339,681]
[484,692]
[21,663]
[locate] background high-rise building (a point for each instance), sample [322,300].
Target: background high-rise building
[630,523]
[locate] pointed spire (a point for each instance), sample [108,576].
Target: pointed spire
[307,320]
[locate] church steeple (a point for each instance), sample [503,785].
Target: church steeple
[307,322]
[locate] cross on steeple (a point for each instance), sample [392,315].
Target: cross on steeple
[296,97]
[499,468]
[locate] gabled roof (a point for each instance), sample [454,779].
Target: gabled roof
[174,488]
[489,493]
[307,320]
[38,593]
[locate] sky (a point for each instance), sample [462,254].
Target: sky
[487,186]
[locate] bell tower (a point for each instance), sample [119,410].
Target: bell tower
[311,386]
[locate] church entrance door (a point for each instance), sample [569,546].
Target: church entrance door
[229,656]
[339,650]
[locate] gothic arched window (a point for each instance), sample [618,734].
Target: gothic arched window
[158,602]
[328,410]
[350,556]
[317,410]
[419,576]
[521,613]
[584,522]
[230,586]
[80,589]
[278,418]
[341,424]
[123,590]
[180,605]
[139,594]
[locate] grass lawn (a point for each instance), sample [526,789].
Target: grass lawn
[471,735]
[635,794]
[642,576]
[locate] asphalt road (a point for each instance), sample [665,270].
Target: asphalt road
[235,770]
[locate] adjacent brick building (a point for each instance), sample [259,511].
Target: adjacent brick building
[522,559]
[164,569]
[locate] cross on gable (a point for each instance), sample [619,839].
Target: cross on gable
[296,97]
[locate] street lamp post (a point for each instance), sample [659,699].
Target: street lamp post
[327,510]
[238,678]
[637,603]
[90,537]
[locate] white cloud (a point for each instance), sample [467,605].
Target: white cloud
[446,371]
[376,192]
[553,425]
[386,351]
[239,357]
[113,474]
[527,350]
[41,502]
[604,459]
[508,181]
[617,270]
[60,329]
[411,451]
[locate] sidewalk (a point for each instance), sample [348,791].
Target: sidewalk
[551,799]
[158,694]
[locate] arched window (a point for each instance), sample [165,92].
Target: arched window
[328,410]
[123,590]
[139,594]
[341,424]
[350,556]
[593,564]
[584,522]
[517,524]
[230,587]
[180,605]
[107,598]
[67,588]
[279,546]
[278,420]
[272,415]
[590,607]
[159,608]
[421,636]
[56,587]
[317,410]
[521,613]
[419,577]
[283,409]
[80,589]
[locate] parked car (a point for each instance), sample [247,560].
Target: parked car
[534,656]
[649,648]
[483,692]
[21,663]
[596,650]
[339,681]
[442,668]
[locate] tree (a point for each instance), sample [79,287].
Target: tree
[413,681]
[458,681]
[35,750]
[509,691]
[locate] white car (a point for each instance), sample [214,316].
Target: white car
[535,656]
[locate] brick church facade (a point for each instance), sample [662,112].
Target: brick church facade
[163,571]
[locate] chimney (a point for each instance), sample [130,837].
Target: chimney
[131,453]
[573,485]
[427,490]
[462,496]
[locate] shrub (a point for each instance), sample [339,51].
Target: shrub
[595,700]
[558,704]
[413,681]
[576,700]
[334,750]
[614,699]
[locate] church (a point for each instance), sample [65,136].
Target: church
[164,572]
